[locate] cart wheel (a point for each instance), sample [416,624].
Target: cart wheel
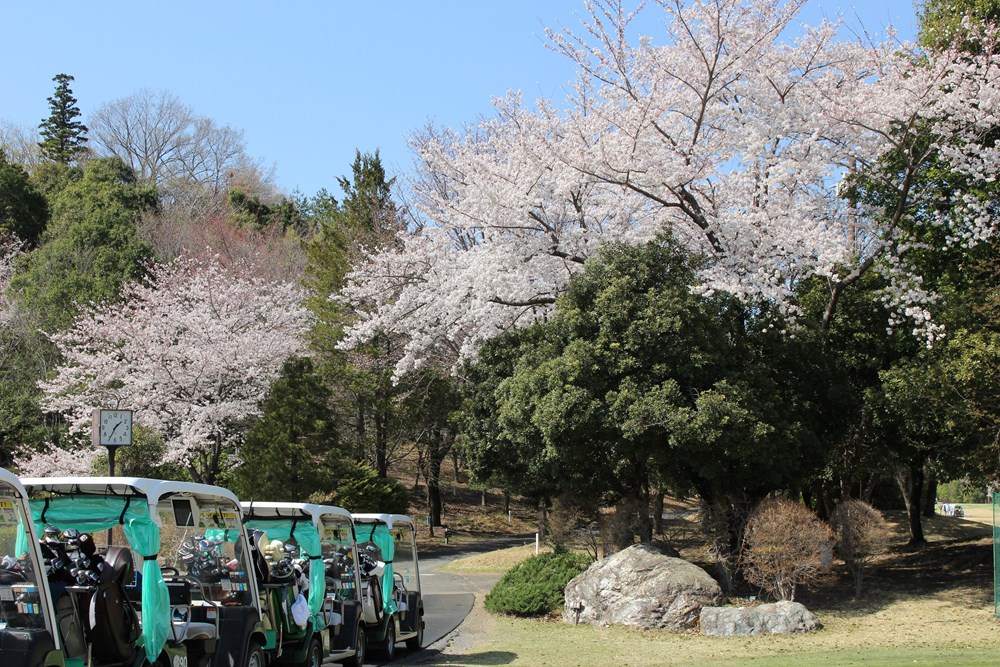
[314,656]
[389,647]
[414,643]
[361,648]
[255,656]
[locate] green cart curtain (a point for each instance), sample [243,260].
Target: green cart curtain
[90,515]
[382,538]
[306,534]
[20,538]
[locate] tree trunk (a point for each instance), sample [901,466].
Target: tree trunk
[658,512]
[420,466]
[359,446]
[381,446]
[930,494]
[543,518]
[911,484]
[433,475]
[506,501]
[483,498]
[869,489]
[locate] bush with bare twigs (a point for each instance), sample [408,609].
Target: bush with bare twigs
[785,545]
[862,534]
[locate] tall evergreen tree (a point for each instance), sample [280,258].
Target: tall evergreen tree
[63,136]
[366,219]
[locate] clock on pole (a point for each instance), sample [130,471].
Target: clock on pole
[111,429]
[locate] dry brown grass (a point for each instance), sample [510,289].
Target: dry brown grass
[494,562]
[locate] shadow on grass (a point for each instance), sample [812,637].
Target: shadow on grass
[956,570]
[940,528]
[429,657]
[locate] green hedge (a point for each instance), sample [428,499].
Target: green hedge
[535,586]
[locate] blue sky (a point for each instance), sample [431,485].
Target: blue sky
[308,82]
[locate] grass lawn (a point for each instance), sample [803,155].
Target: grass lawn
[932,606]
[886,639]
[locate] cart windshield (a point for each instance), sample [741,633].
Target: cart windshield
[202,543]
[20,601]
[340,557]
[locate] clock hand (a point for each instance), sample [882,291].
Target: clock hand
[111,435]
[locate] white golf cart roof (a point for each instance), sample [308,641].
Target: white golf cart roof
[264,511]
[388,519]
[152,489]
[10,479]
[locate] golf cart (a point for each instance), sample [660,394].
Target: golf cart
[191,601]
[309,559]
[390,581]
[28,634]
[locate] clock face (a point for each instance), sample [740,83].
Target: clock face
[116,427]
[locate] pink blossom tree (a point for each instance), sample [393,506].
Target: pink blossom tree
[193,352]
[736,138]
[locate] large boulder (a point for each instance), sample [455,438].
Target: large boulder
[640,586]
[780,617]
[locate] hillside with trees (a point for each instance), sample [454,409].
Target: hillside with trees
[730,265]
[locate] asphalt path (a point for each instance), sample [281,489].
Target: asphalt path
[449,597]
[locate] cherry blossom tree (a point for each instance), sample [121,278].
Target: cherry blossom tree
[193,352]
[742,141]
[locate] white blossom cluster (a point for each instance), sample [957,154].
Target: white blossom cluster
[726,133]
[192,352]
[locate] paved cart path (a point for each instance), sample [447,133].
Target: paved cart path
[449,597]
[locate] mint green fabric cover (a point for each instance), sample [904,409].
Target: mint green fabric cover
[20,538]
[306,534]
[90,515]
[382,538]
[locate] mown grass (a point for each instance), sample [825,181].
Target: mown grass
[952,627]
[521,642]
[932,606]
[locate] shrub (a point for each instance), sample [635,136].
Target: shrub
[861,533]
[362,490]
[785,544]
[535,586]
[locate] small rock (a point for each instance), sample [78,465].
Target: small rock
[776,618]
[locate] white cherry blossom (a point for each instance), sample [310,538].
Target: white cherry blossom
[192,352]
[723,130]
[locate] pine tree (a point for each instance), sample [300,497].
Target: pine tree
[64,137]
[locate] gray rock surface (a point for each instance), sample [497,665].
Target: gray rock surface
[643,587]
[776,618]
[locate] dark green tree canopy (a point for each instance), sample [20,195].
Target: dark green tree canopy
[91,247]
[23,209]
[638,378]
[294,449]
[64,138]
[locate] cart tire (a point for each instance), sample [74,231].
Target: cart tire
[389,645]
[255,656]
[314,656]
[414,643]
[360,650]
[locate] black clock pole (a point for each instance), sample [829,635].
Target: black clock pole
[111,473]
